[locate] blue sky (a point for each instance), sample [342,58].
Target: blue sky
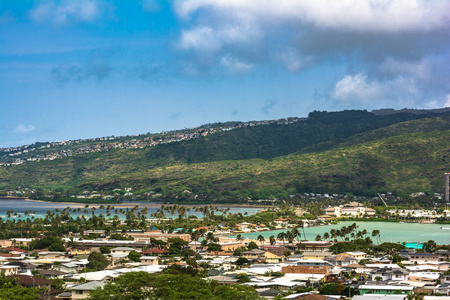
[74,69]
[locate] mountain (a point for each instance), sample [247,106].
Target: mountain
[349,151]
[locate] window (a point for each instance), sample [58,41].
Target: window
[78,292]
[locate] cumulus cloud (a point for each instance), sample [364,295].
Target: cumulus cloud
[403,42]
[352,15]
[66,11]
[21,128]
[447,101]
[359,89]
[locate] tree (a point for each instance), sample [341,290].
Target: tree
[252,245]
[429,246]
[239,238]
[272,239]
[129,286]
[134,256]
[177,244]
[242,278]
[214,247]
[238,251]
[10,289]
[242,261]
[332,289]
[52,243]
[261,239]
[378,279]
[105,250]
[97,261]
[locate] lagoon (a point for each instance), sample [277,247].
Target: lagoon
[41,207]
[389,231]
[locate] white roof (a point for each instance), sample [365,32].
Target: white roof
[96,276]
[356,253]
[379,266]
[379,297]
[385,287]
[421,268]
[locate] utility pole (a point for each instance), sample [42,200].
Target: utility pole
[447,187]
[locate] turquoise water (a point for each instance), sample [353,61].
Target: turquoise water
[389,232]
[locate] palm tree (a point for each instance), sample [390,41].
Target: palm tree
[239,238]
[281,236]
[261,239]
[302,225]
[272,239]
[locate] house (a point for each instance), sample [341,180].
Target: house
[28,281]
[9,269]
[316,254]
[149,260]
[52,274]
[223,279]
[386,274]
[306,269]
[342,260]
[356,254]
[122,250]
[82,291]
[80,250]
[23,266]
[314,246]
[424,257]
[275,254]
[254,254]
[282,221]
[67,268]
[385,289]
[51,255]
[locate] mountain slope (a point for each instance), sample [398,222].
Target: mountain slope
[350,151]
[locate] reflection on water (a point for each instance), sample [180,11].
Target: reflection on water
[39,209]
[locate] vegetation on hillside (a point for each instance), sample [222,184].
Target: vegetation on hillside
[350,151]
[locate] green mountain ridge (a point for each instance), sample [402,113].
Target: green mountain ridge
[350,151]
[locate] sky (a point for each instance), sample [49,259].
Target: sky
[74,69]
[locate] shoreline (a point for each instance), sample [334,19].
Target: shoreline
[127,204]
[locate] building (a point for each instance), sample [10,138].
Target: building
[149,260]
[352,209]
[9,269]
[82,291]
[386,274]
[385,289]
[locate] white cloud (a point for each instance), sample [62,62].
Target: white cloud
[209,39]
[353,15]
[66,11]
[21,128]
[234,65]
[447,101]
[357,88]
[293,61]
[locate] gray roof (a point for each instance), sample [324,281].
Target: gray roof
[89,286]
[123,249]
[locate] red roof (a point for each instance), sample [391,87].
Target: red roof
[14,249]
